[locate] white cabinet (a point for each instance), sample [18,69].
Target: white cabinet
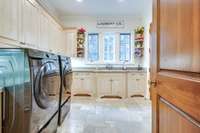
[43,32]
[83,83]
[71,42]
[137,84]
[119,85]
[25,23]
[31,24]
[10,22]
[111,84]
[104,85]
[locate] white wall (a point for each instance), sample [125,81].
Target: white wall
[131,22]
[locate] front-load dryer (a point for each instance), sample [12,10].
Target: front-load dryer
[45,77]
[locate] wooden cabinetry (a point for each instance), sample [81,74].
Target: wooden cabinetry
[10,15]
[83,84]
[31,24]
[111,84]
[136,84]
[25,23]
[71,42]
[43,34]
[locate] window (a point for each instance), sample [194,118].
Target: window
[109,47]
[93,47]
[125,47]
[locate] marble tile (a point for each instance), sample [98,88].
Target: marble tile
[90,115]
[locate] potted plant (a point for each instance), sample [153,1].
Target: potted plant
[139,32]
[80,42]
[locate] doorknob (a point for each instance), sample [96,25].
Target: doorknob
[153,83]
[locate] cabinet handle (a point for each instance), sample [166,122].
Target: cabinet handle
[137,79]
[23,43]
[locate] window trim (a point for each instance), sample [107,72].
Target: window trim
[87,49]
[114,48]
[116,60]
[130,45]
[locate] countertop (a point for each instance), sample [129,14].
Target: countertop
[113,70]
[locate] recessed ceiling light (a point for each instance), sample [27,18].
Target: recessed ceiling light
[79,0]
[121,0]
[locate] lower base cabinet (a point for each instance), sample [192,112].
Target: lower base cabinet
[111,84]
[83,84]
[137,84]
[107,84]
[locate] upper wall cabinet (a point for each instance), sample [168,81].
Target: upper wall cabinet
[31,23]
[71,42]
[10,15]
[44,33]
[26,22]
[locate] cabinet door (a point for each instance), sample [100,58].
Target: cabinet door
[133,85]
[43,38]
[88,85]
[118,86]
[142,82]
[30,24]
[70,39]
[77,85]
[10,19]
[104,85]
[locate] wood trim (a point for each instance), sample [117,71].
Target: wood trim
[183,93]
[186,116]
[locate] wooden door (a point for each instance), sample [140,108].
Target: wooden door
[175,66]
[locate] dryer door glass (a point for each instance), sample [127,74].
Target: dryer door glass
[47,85]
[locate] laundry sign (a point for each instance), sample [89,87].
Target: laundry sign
[110,24]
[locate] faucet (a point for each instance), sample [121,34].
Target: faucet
[124,65]
[109,66]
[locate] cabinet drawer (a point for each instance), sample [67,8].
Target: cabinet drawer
[137,75]
[82,74]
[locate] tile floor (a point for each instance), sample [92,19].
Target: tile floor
[108,116]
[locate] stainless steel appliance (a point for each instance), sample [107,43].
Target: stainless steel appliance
[14,78]
[65,93]
[45,77]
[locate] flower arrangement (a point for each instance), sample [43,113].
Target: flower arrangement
[81,30]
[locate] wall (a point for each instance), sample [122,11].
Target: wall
[89,23]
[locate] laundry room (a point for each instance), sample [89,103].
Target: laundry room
[99,66]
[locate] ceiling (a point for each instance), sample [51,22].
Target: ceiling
[100,7]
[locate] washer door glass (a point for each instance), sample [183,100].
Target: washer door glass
[47,85]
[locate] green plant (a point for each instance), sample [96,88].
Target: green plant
[139,30]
